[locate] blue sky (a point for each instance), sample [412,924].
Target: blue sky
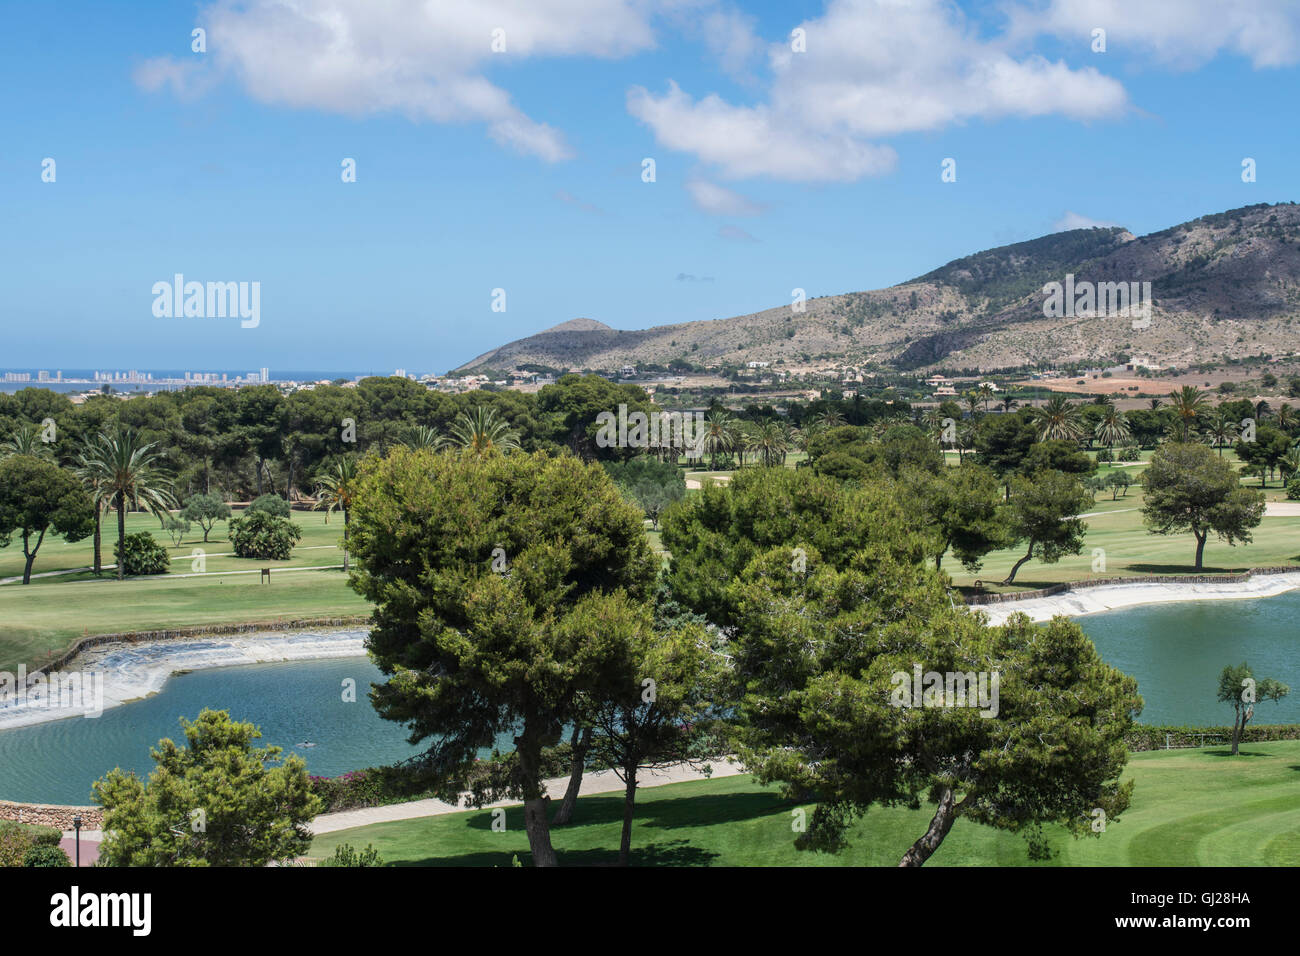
[521,170]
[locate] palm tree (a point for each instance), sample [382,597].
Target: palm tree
[425,437]
[1008,403]
[830,418]
[26,440]
[1156,403]
[1285,418]
[1187,402]
[1058,419]
[986,393]
[1221,431]
[1112,428]
[972,400]
[1289,464]
[1262,410]
[130,473]
[769,441]
[481,431]
[720,434]
[335,489]
[91,477]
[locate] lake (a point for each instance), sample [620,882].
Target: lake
[1176,651]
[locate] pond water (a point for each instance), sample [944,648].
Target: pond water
[1175,651]
[293,702]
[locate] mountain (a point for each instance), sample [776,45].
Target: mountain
[1224,286]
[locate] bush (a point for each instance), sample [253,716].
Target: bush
[46,856]
[15,841]
[260,534]
[1293,489]
[346,855]
[45,836]
[272,505]
[144,555]
[1104,455]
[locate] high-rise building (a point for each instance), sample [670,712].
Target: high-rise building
[266,375]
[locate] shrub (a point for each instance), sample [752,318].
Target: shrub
[260,534]
[271,504]
[1104,455]
[45,836]
[15,841]
[346,855]
[144,555]
[1293,489]
[46,856]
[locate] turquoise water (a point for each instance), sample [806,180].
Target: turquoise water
[1177,651]
[293,702]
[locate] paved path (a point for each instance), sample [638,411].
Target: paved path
[601,781]
[1282,509]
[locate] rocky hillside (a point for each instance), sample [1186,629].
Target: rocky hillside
[1224,285]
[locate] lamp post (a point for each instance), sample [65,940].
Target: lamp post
[76,825]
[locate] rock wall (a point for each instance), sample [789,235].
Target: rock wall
[46,815]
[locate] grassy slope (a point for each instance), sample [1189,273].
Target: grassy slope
[1190,808]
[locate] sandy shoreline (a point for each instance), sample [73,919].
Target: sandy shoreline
[115,673]
[1112,597]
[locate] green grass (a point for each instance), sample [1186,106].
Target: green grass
[1190,808]
[41,619]
[319,546]
[1116,527]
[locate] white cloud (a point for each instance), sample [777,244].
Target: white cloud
[872,69]
[1178,33]
[424,60]
[721,201]
[754,141]
[1073,220]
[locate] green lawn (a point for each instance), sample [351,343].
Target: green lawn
[1116,527]
[319,546]
[41,619]
[1190,808]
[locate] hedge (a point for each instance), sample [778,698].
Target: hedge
[1154,738]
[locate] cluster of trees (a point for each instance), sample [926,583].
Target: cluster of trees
[518,594]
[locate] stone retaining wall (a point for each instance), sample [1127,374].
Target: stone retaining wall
[977,599]
[47,815]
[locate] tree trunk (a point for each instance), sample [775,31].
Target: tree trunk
[30,559]
[581,743]
[528,747]
[940,824]
[1237,725]
[629,807]
[1200,546]
[99,560]
[1016,567]
[259,477]
[345,539]
[121,535]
